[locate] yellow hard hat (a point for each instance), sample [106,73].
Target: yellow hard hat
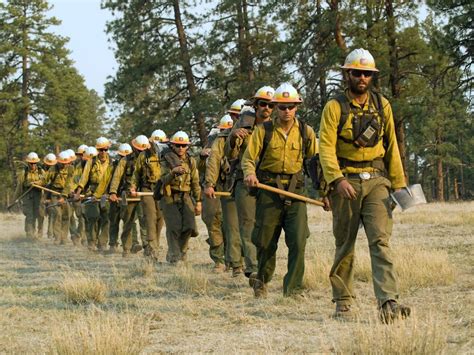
[124,149]
[360,59]
[141,142]
[236,106]
[102,143]
[90,153]
[159,136]
[180,137]
[32,158]
[72,155]
[264,93]
[225,122]
[50,159]
[286,93]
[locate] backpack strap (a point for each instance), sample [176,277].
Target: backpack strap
[268,125]
[345,110]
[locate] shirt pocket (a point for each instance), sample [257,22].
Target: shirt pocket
[296,155]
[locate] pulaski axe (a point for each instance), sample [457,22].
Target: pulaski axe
[409,196]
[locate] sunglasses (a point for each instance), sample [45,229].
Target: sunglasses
[180,145]
[286,107]
[102,149]
[266,104]
[359,73]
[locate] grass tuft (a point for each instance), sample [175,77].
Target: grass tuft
[98,333]
[81,289]
[187,280]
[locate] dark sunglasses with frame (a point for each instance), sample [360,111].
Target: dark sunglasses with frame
[180,145]
[358,73]
[263,104]
[286,107]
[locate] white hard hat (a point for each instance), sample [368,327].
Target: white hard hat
[213,131]
[32,157]
[72,155]
[159,135]
[141,142]
[102,143]
[286,93]
[124,149]
[64,157]
[90,153]
[50,159]
[264,93]
[236,106]
[360,59]
[81,149]
[226,122]
[180,137]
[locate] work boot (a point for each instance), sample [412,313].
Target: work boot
[76,240]
[237,271]
[391,310]
[126,253]
[343,312]
[112,250]
[92,248]
[150,254]
[259,289]
[252,279]
[218,268]
[136,248]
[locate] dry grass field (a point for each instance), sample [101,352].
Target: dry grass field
[65,300]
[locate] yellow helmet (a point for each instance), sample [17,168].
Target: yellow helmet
[81,149]
[50,159]
[102,143]
[64,157]
[159,136]
[225,122]
[124,149]
[32,157]
[180,137]
[286,93]
[141,142]
[236,106]
[360,59]
[264,93]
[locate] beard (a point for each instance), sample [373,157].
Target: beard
[354,87]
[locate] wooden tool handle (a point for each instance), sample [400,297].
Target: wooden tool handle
[290,194]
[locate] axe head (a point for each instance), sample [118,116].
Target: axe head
[411,196]
[123,198]
[103,201]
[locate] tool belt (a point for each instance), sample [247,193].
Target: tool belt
[289,182]
[365,175]
[147,187]
[177,195]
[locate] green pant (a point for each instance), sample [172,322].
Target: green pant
[41,216]
[97,224]
[61,215]
[80,231]
[212,218]
[373,207]
[178,211]
[246,213]
[129,217]
[154,224]
[142,225]
[114,226]
[233,252]
[31,210]
[272,216]
[50,222]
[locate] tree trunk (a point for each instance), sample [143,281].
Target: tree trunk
[395,79]
[191,84]
[440,180]
[339,38]
[25,75]
[456,190]
[245,51]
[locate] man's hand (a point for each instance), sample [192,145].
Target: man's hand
[327,204]
[251,180]
[133,192]
[197,208]
[209,192]
[345,189]
[205,152]
[61,200]
[179,170]
[113,198]
[238,133]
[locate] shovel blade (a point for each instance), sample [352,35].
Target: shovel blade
[411,196]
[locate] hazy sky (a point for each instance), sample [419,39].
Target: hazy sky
[84,23]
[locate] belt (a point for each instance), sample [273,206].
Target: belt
[365,175]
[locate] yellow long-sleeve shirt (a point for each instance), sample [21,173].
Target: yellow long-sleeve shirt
[331,148]
[284,154]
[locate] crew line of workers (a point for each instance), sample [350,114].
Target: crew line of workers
[156,181]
